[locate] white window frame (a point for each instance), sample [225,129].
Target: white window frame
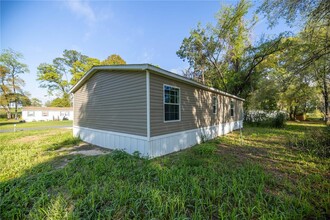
[44,113]
[215,104]
[232,107]
[179,103]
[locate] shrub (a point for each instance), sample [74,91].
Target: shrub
[265,119]
[279,120]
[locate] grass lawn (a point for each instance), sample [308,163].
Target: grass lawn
[261,173]
[9,124]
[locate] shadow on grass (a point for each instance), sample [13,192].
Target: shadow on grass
[10,123]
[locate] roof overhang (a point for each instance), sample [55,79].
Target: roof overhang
[145,67]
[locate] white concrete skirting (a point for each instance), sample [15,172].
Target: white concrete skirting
[155,146]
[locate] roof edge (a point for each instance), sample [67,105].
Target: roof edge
[143,67]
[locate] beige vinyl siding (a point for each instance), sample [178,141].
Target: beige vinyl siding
[196,107]
[113,101]
[238,111]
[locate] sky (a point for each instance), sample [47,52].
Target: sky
[139,31]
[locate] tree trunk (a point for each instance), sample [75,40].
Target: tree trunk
[295,112]
[16,114]
[291,114]
[326,102]
[7,109]
[14,89]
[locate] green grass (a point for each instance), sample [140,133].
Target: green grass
[4,125]
[256,175]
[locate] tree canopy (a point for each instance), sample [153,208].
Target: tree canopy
[11,84]
[64,72]
[284,72]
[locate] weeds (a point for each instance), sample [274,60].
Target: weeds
[316,142]
[260,179]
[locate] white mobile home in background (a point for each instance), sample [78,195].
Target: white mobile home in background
[46,113]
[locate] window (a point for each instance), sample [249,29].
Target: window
[44,114]
[232,108]
[30,113]
[64,113]
[171,103]
[215,104]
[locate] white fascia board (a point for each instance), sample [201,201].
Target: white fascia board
[144,67]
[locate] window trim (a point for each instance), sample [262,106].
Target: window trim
[215,103]
[179,103]
[232,108]
[44,113]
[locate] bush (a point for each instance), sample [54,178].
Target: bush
[265,119]
[279,120]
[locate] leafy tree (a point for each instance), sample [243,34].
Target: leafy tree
[67,70]
[36,102]
[55,76]
[12,84]
[302,11]
[60,102]
[222,56]
[113,59]
[314,17]
[318,68]
[5,91]
[79,68]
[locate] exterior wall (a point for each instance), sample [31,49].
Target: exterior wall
[113,101]
[156,146]
[169,143]
[196,108]
[114,140]
[111,111]
[52,115]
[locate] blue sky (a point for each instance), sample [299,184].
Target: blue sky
[139,31]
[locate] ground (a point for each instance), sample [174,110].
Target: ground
[256,173]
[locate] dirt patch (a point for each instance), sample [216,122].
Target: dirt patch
[31,138]
[85,149]
[82,149]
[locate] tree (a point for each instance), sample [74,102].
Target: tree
[36,102]
[304,11]
[67,70]
[60,102]
[314,17]
[318,68]
[223,56]
[113,59]
[55,76]
[9,60]
[79,68]
[5,91]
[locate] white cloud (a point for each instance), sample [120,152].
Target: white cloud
[82,9]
